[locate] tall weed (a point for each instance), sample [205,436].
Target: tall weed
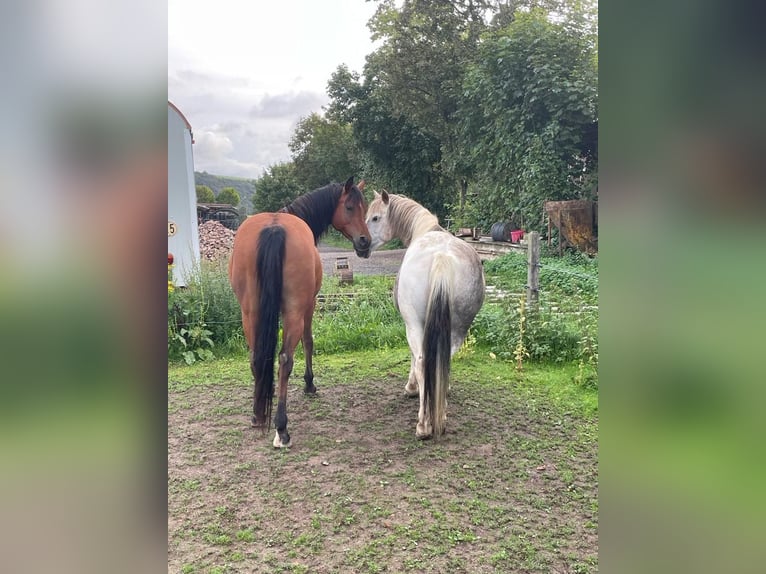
[204,317]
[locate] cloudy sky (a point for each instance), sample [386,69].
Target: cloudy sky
[244,73]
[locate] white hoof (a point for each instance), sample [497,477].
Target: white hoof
[278,442]
[423,431]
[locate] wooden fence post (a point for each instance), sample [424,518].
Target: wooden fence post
[533,268]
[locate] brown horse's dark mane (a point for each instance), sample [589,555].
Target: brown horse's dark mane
[317,207]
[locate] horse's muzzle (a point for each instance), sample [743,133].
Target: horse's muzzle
[362,247]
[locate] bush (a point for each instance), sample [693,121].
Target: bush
[204,317]
[564,327]
[575,274]
[205,194]
[548,337]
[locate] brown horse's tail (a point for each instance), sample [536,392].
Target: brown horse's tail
[437,337]
[269,262]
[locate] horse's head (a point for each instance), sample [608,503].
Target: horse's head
[349,217]
[378,221]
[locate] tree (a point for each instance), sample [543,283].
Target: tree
[528,116]
[495,95]
[392,151]
[205,194]
[276,188]
[323,152]
[228,195]
[427,46]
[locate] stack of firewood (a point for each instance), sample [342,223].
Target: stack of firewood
[215,240]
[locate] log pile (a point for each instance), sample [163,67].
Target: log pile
[215,240]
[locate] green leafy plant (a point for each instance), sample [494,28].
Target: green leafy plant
[468,347]
[587,368]
[556,329]
[520,352]
[190,337]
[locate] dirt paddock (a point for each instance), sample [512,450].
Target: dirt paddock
[512,487]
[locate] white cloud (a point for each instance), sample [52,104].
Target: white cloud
[244,73]
[288,105]
[211,146]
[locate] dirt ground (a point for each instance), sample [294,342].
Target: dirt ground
[511,487]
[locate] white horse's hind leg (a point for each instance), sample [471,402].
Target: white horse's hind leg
[423,429]
[414,386]
[415,380]
[411,389]
[456,343]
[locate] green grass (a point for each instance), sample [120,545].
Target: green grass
[543,385]
[363,316]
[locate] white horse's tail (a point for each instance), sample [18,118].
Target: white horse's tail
[437,337]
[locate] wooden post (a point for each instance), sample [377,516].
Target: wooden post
[533,267]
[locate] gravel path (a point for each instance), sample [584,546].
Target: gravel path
[378,263]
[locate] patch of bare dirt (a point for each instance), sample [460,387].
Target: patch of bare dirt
[506,490]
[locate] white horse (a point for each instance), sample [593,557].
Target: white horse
[439,290]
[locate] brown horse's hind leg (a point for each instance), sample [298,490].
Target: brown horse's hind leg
[308,350]
[247,323]
[289,341]
[282,437]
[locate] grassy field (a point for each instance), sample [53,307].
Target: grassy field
[511,487]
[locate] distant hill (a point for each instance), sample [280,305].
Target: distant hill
[245,187]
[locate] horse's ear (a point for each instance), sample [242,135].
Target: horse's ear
[360,185]
[384,195]
[349,184]
[377,195]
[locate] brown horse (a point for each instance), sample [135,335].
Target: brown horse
[275,269]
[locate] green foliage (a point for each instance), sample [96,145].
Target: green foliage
[529,116]
[466,215]
[323,152]
[520,351]
[548,337]
[204,317]
[574,275]
[276,188]
[358,316]
[393,152]
[561,329]
[426,46]
[204,194]
[449,102]
[228,195]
